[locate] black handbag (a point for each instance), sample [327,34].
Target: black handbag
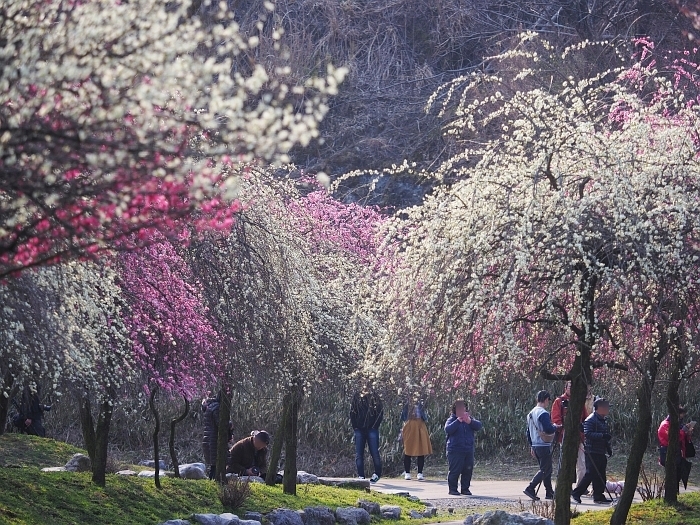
[689,450]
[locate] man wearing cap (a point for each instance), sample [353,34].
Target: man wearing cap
[540,434]
[598,449]
[248,457]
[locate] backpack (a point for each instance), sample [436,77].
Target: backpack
[547,438]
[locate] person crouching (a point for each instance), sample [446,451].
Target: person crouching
[248,457]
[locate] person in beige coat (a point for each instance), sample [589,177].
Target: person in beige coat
[416,439]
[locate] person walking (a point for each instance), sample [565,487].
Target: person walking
[540,435]
[460,428]
[416,439]
[366,414]
[598,450]
[560,407]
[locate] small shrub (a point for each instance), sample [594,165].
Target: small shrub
[651,486]
[113,465]
[234,493]
[538,508]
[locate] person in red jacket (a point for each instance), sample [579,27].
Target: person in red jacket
[684,437]
[559,410]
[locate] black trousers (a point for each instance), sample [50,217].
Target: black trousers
[595,474]
[544,458]
[420,461]
[460,464]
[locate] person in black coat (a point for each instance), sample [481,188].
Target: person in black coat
[366,414]
[31,413]
[598,449]
[210,407]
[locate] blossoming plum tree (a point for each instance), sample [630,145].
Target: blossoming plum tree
[118,117]
[174,343]
[559,211]
[280,288]
[63,324]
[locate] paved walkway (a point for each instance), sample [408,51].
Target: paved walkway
[485,493]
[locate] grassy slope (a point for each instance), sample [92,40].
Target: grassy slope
[30,496]
[687,512]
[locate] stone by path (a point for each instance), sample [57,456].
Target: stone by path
[486,494]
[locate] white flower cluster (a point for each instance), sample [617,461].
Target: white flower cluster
[283,303]
[98,97]
[566,226]
[62,324]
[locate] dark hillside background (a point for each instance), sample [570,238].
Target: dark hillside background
[399,51]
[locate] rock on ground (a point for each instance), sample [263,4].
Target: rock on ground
[318,516]
[216,519]
[128,473]
[253,516]
[370,506]
[430,512]
[193,471]
[252,479]
[152,464]
[284,517]
[54,469]
[305,477]
[176,522]
[352,516]
[501,517]
[415,515]
[348,483]
[78,463]
[390,512]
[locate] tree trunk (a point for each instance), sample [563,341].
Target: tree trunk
[277,443]
[87,425]
[222,439]
[640,441]
[156,431]
[672,404]
[171,443]
[289,482]
[5,401]
[104,420]
[581,378]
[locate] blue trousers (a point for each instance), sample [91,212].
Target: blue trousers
[369,437]
[460,464]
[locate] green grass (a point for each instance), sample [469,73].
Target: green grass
[19,450]
[29,496]
[655,512]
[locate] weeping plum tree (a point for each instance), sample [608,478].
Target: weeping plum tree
[571,205]
[86,344]
[278,287]
[174,343]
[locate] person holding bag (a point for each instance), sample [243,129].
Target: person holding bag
[540,435]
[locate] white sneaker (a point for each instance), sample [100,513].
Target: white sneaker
[420,476]
[407,475]
[360,477]
[374,478]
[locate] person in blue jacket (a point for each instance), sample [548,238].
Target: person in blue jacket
[460,428]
